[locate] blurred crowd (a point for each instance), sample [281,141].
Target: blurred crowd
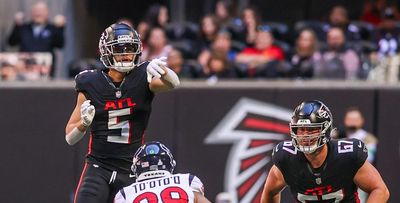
[37,37]
[230,44]
[25,66]
[226,45]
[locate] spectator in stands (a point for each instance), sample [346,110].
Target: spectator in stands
[372,11]
[143,29]
[38,35]
[209,28]
[225,13]
[157,45]
[222,45]
[156,16]
[354,123]
[306,55]
[218,67]
[20,67]
[33,70]
[251,20]
[8,72]
[338,61]
[388,33]
[386,58]
[176,62]
[258,60]
[339,18]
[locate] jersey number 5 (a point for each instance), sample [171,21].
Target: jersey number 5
[115,123]
[168,195]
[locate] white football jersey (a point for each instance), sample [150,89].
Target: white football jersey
[164,189]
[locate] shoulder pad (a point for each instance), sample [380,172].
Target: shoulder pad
[282,153]
[85,72]
[82,78]
[120,196]
[350,146]
[355,149]
[144,63]
[284,147]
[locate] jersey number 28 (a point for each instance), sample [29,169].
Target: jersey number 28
[168,195]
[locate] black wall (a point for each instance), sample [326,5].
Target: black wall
[37,165]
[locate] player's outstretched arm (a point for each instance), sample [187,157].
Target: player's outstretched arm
[76,128]
[160,77]
[369,180]
[273,186]
[199,198]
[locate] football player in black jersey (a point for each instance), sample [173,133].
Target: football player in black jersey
[116,104]
[318,169]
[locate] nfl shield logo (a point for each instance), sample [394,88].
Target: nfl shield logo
[318,181]
[118,94]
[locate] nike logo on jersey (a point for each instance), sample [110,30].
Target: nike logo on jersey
[131,176]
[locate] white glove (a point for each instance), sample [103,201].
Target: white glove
[154,68]
[87,113]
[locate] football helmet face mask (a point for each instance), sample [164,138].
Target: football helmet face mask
[120,47]
[311,126]
[152,160]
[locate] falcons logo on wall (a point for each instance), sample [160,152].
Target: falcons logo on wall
[254,128]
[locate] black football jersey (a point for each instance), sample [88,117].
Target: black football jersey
[121,114]
[332,182]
